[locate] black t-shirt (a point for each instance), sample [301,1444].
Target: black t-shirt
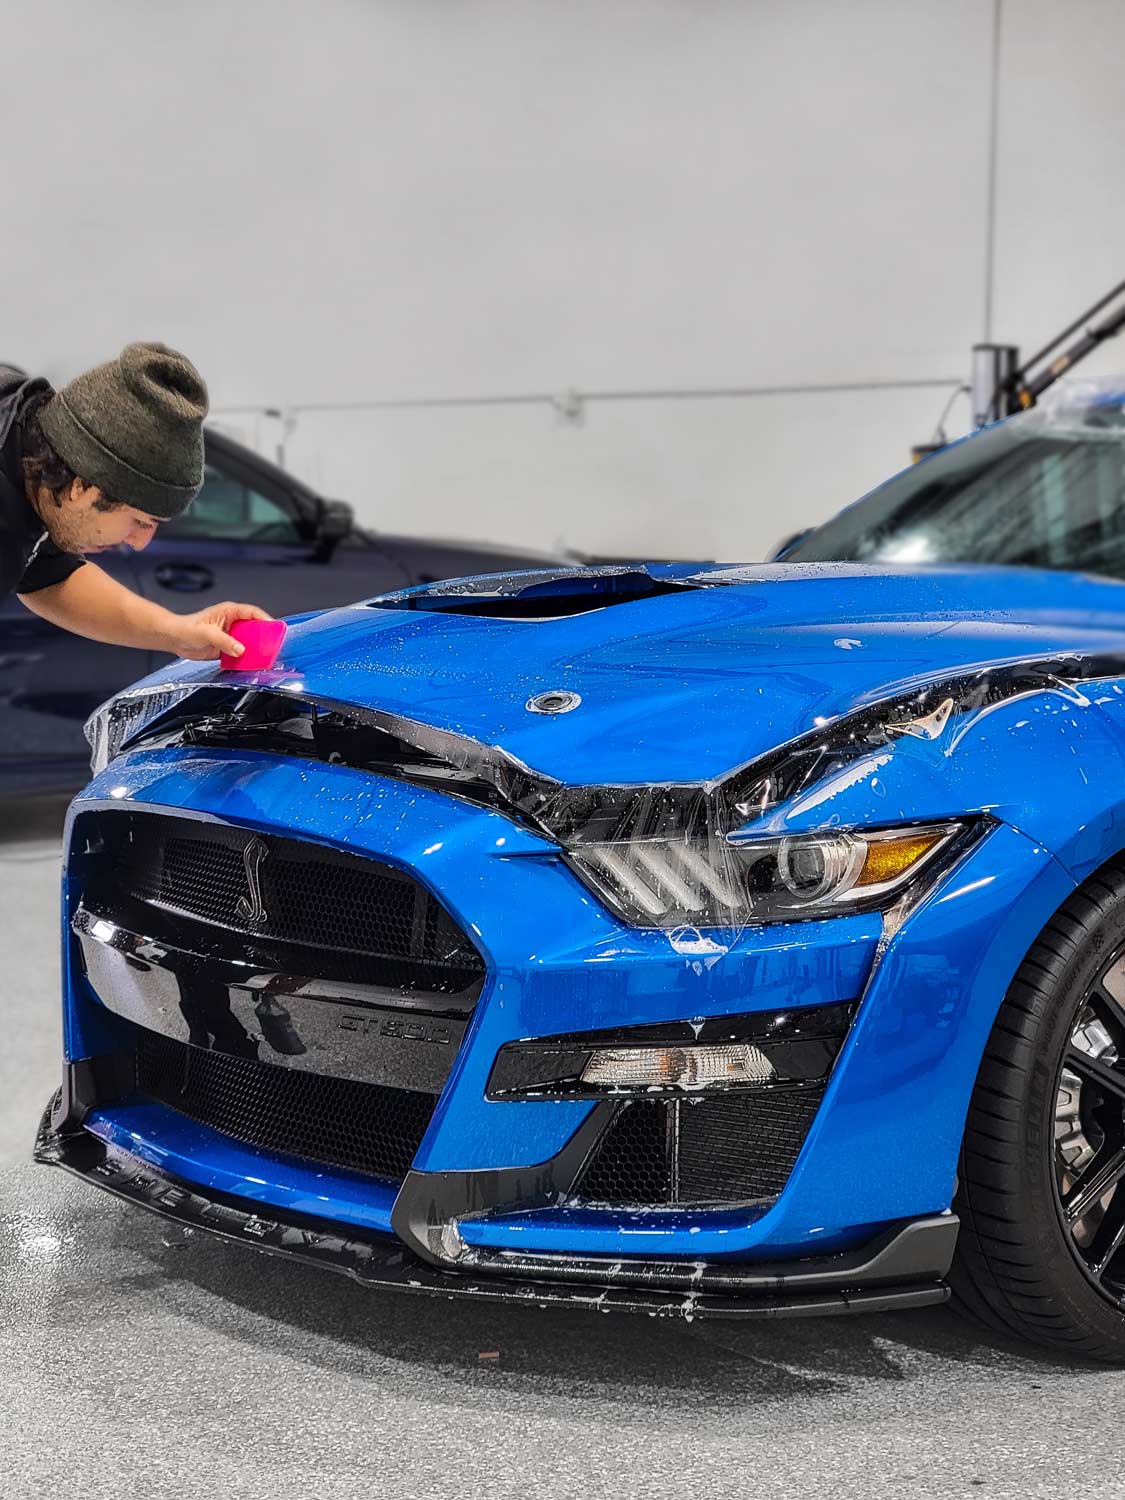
[29,560]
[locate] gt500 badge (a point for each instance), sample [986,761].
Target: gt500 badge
[407,1031]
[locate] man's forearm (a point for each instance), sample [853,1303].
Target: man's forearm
[91,603]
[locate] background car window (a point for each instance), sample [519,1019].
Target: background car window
[1005,497]
[227,510]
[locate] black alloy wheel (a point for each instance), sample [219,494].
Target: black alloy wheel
[1041,1190]
[1090,1134]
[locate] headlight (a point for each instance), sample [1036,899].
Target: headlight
[724,881]
[118,719]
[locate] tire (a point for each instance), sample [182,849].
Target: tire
[1038,1257]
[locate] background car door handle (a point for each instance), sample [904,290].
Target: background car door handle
[185,578]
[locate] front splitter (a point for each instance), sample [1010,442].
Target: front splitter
[856,1282]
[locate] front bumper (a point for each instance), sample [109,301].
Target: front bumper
[902,1268]
[881,1153]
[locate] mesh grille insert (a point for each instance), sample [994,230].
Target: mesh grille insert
[366,921]
[364,1127]
[633,1160]
[743,1146]
[737,1148]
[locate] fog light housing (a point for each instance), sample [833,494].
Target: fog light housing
[688,1068]
[712,1055]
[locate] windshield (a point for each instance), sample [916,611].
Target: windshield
[1031,492]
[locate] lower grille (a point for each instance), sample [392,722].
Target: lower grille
[738,1148]
[363,1127]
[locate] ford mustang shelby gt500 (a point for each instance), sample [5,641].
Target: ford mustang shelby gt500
[738,941]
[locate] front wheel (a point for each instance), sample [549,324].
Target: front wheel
[1041,1191]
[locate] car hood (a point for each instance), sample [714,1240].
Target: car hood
[709,671]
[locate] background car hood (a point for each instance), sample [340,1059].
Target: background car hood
[686,684]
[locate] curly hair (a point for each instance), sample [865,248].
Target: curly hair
[42,466]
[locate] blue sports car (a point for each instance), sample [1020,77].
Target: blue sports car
[746,941]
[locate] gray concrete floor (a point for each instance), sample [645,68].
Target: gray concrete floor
[135,1361]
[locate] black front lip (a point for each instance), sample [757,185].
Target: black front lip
[902,1268]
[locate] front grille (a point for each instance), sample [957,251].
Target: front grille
[354,918]
[737,1148]
[363,1127]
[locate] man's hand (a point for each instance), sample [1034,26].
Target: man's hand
[202,636]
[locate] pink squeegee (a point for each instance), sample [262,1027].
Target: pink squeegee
[262,639]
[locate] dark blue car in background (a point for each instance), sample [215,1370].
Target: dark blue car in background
[255,533]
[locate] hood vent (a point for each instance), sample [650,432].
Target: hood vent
[536,596]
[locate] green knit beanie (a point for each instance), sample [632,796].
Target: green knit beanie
[134,427]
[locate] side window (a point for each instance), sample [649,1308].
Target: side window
[225,510]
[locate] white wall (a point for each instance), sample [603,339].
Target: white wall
[406,200]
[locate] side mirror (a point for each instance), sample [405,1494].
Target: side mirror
[778,553]
[335,522]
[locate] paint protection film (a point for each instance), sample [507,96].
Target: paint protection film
[699,860]
[710,860]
